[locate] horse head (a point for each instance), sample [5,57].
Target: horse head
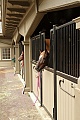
[21,57]
[43,60]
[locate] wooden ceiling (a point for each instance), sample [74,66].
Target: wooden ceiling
[14,12]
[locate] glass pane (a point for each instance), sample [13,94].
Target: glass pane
[6,53]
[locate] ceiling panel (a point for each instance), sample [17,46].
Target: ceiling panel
[15,11]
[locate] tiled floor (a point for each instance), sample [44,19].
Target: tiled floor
[13,104]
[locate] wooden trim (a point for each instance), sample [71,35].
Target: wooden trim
[68,77]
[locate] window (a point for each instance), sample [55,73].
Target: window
[6,53]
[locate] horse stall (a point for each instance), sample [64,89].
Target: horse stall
[21,57]
[37,44]
[60,87]
[46,90]
[66,72]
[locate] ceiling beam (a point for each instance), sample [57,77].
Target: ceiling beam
[9,24]
[21,3]
[20,10]
[12,22]
[9,30]
[14,19]
[10,27]
[5,42]
[15,15]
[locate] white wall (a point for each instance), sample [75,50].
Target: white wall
[48,90]
[65,99]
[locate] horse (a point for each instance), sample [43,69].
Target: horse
[43,57]
[21,59]
[43,60]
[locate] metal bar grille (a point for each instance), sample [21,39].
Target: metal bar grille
[37,45]
[68,47]
[51,49]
